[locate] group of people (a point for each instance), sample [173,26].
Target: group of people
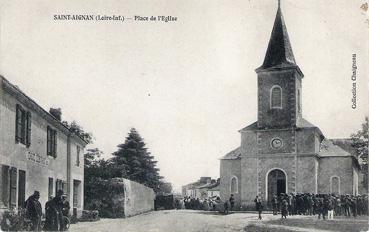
[207,204]
[323,205]
[55,209]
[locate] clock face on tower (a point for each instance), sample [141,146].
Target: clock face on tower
[276,143]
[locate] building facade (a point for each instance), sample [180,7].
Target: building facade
[37,152]
[205,187]
[282,152]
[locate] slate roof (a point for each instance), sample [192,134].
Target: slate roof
[215,187]
[209,185]
[328,149]
[302,123]
[279,54]
[235,154]
[345,144]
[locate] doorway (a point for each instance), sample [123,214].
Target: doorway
[276,183]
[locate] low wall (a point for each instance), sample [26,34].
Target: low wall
[137,197]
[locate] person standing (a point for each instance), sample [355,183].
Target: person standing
[275,205]
[258,206]
[346,205]
[284,208]
[354,206]
[325,206]
[231,201]
[34,211]
[319,206]
[226,207]
[330,208]
[338,206]
[58,207]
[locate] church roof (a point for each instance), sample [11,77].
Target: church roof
[345,144]
[327,149]
[235,154]
[302,123]
[279,54]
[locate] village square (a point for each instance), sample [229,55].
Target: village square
[279,172]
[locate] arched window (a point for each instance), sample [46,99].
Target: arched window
[276,97]
[234,184]
[335,185]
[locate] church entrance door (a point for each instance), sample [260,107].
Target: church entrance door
[276,183]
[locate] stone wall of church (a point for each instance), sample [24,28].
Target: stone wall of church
[248,143]
[267,164]
[306,174]
[335,166]
[228,170]
[265,138]
[307,141]
[249,178]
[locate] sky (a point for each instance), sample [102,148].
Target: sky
[189,85]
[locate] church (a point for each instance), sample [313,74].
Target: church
[282,152]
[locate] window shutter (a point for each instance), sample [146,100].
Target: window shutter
[5,184]
[23,126]
[28,137]
[55,143]
[17,120]
[13,187]
[48,141]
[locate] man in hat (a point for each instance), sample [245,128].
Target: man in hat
[56,205]
[51,215]
[258,206]
[66,208]
[34,211]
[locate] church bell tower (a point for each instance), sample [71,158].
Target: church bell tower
[279,81]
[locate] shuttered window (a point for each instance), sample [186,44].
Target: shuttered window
[22,126]
[51,142]
[28,129]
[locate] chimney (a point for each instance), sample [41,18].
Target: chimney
[56,112]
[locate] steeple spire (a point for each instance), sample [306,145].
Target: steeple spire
[279,53]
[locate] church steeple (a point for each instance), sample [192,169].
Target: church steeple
[279,53]
[279,81]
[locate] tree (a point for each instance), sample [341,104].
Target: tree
[78,130]
[91,157]
[360,144]
[165,187]
[136,162]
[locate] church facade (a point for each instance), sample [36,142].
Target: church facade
[282,152]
